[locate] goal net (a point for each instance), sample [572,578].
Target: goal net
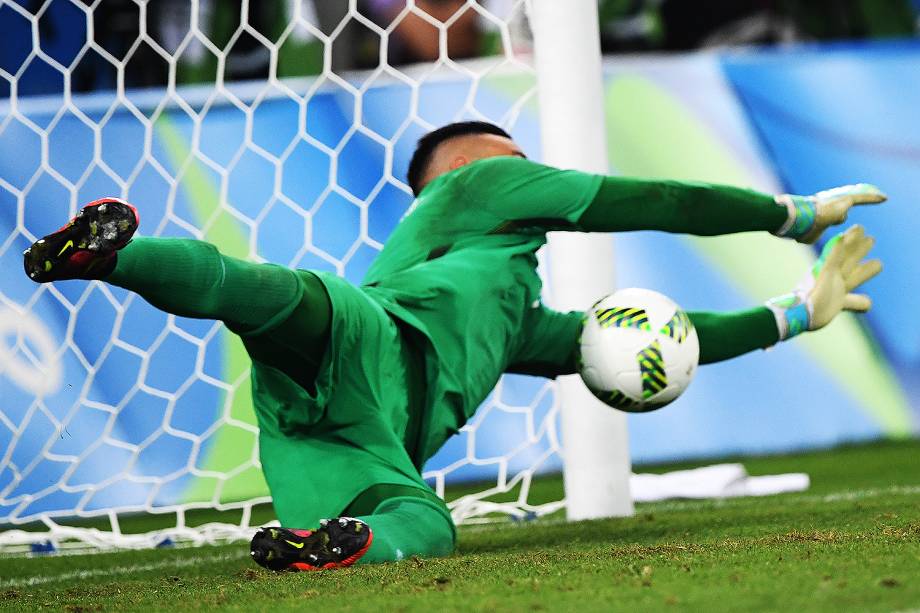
[125,427]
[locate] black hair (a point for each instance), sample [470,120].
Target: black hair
[428,143]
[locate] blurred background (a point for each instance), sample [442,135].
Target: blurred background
[280,130]
[301,27]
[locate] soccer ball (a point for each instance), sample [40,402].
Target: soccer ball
[639,350]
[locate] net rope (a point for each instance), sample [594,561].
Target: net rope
[111,409]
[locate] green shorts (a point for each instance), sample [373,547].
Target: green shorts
[321,448]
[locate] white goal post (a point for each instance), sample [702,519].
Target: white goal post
[112,409]
[567,54]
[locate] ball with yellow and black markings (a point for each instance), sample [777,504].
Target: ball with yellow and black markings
[638,350]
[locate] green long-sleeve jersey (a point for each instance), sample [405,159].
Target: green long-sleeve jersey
[460,269]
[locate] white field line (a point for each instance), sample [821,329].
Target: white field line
[896,490]
[685,505]
[79,575]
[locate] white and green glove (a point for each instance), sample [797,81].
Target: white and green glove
[810,216]
[828,288]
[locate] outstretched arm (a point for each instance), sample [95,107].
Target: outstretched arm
[704,209]
[528,194]
[623,205]
[551,347]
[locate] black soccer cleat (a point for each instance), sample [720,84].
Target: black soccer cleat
[336,543]
[84,248]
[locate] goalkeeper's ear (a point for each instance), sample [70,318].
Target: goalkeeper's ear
[457,161]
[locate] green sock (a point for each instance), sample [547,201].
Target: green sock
[409,526]
[193,279]
[283,315]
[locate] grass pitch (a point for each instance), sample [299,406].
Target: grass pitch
[851,543]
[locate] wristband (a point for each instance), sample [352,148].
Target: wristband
[793,314]
[801,211]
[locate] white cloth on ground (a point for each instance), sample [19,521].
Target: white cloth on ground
[716,481]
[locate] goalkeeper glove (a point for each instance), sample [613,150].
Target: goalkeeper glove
[809,216]
[828,287]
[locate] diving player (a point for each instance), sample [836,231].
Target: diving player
[355,387]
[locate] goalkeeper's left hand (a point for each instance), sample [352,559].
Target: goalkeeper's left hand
[810,216]
[828,288]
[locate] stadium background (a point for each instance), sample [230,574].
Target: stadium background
[794,120]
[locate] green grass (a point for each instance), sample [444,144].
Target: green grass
[851,543]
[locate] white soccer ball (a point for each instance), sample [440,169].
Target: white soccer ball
[639,350]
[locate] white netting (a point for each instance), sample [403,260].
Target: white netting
[110,408]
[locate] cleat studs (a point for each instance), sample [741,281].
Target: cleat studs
[343,522]
[337,551]
[27,251]
[312,557]
[41,241]
[33,275]
[323,523]
[102,209]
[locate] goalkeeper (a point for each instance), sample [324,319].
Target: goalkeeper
[356,387]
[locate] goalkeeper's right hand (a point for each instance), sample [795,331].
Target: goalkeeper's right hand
[810,216]
[828,288]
